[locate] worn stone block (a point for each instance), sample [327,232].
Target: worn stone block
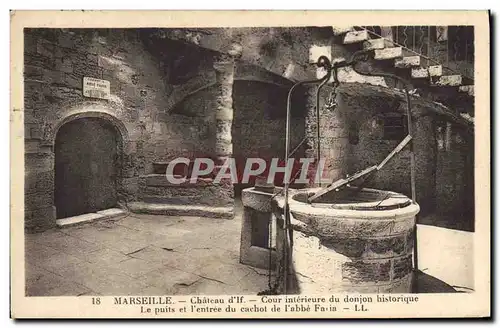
[407,62]
[84,69]
[39,199]
[469,89]
[36,133]
[39,61]
[363,272]
[381,247]
[73,80]
[40,219]
[448,80]
[257,200]
[350,247]
[398,287]
[348,75]
[316,51]
[78,219]
[409,242]
[45,48]
[33,72]
[28,117]
[64,64]
[288,73]
[419,73]
[436,70]
[182,210]
[66,93]
[356,36]
[66,40]
[92,59]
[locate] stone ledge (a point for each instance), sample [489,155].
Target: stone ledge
[182,210]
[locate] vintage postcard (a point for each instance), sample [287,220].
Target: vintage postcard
[250,164]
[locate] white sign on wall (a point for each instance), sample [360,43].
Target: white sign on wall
[96,88]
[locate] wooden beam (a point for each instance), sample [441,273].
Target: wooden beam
[342,182]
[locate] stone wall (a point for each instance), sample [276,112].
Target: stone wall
[345,250]
[371,147]
[259,124]
[55,63]
[352,139]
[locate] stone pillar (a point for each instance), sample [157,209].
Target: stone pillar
[224,69]
[224,66]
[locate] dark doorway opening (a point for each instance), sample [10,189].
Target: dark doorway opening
[86,163]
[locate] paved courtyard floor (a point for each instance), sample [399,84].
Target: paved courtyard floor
[166,255]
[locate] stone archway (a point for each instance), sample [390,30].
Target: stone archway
[87,166]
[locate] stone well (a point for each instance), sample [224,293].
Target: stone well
[348,241]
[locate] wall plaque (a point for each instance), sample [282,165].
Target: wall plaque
[96,88]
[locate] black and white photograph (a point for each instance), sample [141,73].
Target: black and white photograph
[267,161]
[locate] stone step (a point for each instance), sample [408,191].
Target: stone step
[182,210]
[407,62]
[339,30]
[316,51]
[423,72]
[373,44]
[388,53]
[356,37]
[448,81]
[89,217]
[469,89]
[178,200]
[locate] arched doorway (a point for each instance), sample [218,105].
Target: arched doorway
[86,166]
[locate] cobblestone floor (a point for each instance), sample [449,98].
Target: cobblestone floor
[141,255]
